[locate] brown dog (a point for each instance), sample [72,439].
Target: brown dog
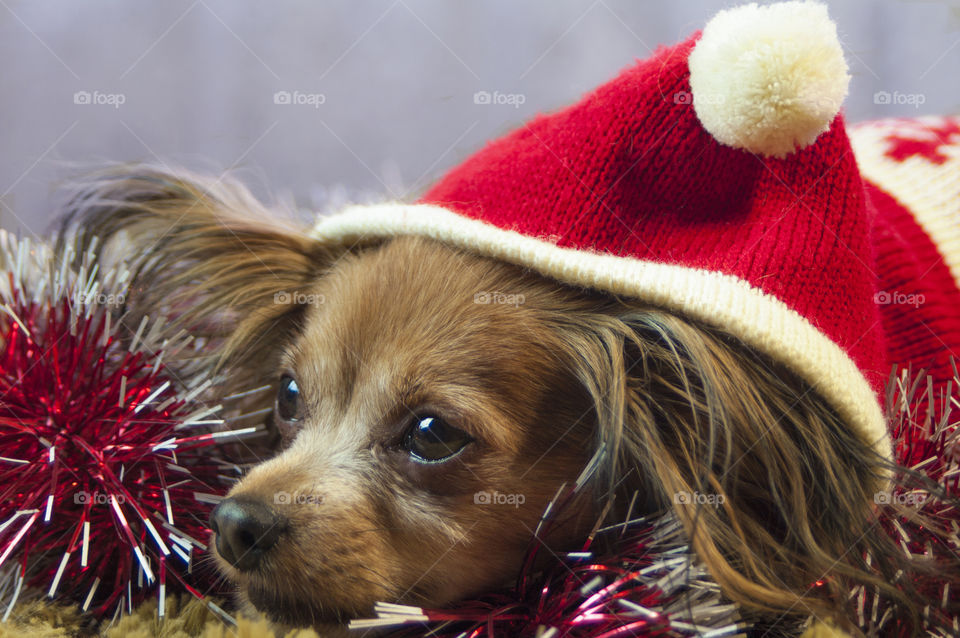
[432,403]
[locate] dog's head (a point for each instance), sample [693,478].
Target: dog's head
[433,402]
[426,433]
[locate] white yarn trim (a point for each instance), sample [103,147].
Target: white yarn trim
[727,302]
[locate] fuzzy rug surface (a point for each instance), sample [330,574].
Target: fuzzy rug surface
[184,619]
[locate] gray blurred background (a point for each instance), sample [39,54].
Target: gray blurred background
[317,103]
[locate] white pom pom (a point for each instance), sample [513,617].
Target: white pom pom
[768,79]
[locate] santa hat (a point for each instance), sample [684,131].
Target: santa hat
[714,179]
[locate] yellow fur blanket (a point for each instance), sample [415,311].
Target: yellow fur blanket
[185,618]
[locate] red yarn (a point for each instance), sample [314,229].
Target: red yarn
[923,140]
[629,170]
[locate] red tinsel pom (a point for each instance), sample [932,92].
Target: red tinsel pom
[106,472]
[924,426]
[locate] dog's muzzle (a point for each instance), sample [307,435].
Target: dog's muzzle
[246,530]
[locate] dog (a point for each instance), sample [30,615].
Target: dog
[400,396]
[699,314]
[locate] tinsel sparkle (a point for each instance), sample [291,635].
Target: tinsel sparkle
[651,584]
[925,435]
[106,470]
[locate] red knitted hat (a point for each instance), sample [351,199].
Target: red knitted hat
[715,179]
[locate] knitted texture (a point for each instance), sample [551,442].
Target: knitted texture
[630,171]
[912,168]
[625,191]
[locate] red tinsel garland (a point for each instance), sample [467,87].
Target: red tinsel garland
[653,585]
[106,473]
[925,434]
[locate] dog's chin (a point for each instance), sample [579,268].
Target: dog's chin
[256,595]
[283,609]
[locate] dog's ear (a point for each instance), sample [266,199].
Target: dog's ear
[775,492]
[203,252]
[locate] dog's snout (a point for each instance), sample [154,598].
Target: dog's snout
[246,529]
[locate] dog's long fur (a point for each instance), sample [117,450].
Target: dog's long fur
[678,406]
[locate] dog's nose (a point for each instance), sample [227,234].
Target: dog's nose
[246,529]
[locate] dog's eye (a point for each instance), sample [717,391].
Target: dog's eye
[433,440]
[288,399]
